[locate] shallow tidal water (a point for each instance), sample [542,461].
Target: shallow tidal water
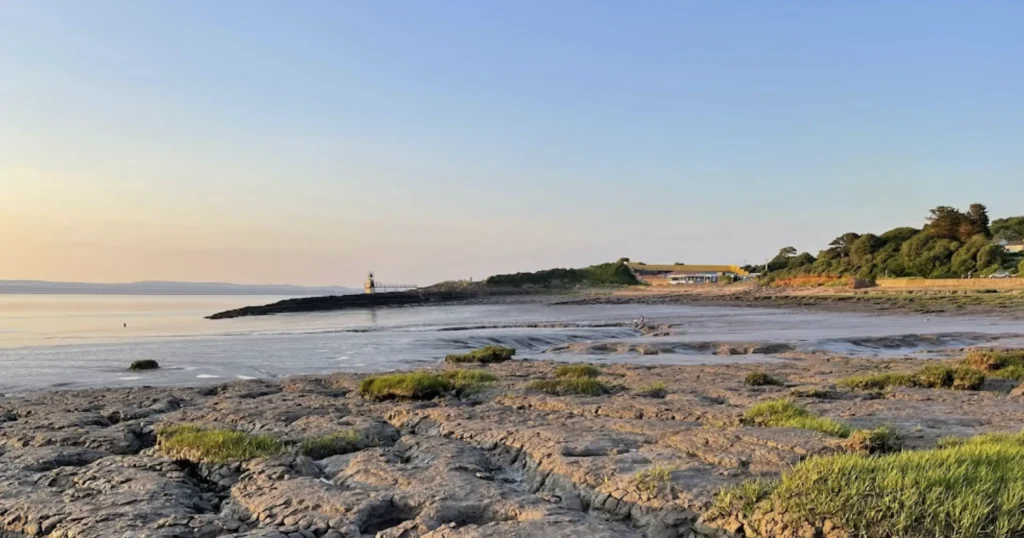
[81,341]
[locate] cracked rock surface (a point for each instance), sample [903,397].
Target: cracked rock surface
[504,462]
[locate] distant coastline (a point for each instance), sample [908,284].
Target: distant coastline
[40,287]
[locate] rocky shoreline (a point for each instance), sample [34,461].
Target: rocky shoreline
[504,460]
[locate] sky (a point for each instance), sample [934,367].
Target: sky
[310,142]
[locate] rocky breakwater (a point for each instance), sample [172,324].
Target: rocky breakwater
[343,302]
[520,448]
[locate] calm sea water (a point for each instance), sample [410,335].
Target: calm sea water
[49,341]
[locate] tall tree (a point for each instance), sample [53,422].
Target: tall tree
[978,214]
[944,222]
[843,243]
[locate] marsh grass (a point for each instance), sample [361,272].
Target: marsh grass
[653,480]
[342,442]
[585,386]
[466,382]
[968,491]
[787,414]
[934,376]
[404,386]
[1003,364]
[653,390]
[577,371]
[741,498]
[761,379]
[195,443]
[973,488]
[881,440]
[484,355]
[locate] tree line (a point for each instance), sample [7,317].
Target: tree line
[951,244]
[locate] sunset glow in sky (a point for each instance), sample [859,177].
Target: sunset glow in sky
[308,142]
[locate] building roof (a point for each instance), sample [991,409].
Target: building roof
[687,268]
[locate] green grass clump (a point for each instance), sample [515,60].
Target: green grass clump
[760,379]
[653,480]
[653,390]
[404,386]
[1014,372]
[881,440]
[741,498]
[577,371]
[974,489]
[786,414]
[585,386]
[146,364]
[935,376]
[878,381]
[813,392]
[484,355]
[466,382]
[990,360]
[195,443]
[342,442]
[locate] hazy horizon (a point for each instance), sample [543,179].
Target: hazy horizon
[310,142]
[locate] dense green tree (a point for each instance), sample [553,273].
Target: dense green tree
[952,244]
[965,261]
[928,256]
[1011,229]
[864,247]
[899,235]
[843,243]
[801,260]
[977,214]
[990,257]
[944,222]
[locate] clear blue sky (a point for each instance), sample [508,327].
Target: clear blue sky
[308,142]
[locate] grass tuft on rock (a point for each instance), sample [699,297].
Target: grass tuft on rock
[484,355]
[881,440]
[934,376]
[787,414]
[146,364]
[404,386]
[342,442]
[653,390]
[577,371]
[974,489]
[741,498]
[569,386]
[1001,363]
[466,382]
[653,480]
[761,379]
[214,445]
[990,360]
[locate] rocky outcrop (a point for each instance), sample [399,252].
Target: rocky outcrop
[505,461]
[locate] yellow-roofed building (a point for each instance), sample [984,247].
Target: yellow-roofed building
[674,274]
